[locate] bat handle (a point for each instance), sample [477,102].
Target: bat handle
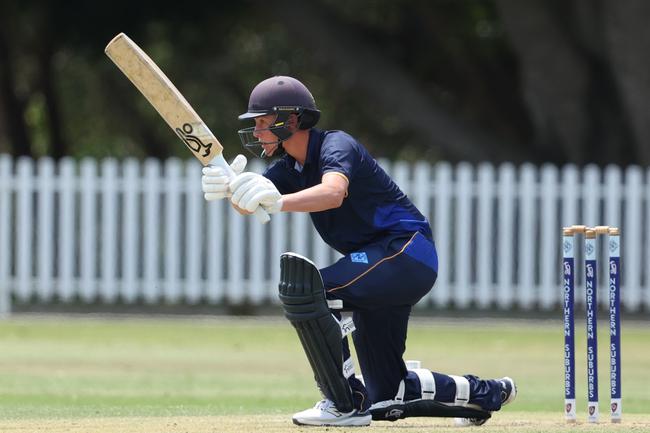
[219,161]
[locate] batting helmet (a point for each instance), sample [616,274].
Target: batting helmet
[283,96]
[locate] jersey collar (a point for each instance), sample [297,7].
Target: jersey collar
[313,150]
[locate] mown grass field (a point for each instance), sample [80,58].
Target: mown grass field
[125,374]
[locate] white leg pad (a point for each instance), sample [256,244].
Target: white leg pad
[427,383]
[462,390]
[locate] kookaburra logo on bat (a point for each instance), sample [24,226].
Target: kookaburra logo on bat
[192,141]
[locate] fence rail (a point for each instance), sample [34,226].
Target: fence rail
[108,231]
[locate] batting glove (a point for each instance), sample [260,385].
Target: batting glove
[250,190]
[215,181]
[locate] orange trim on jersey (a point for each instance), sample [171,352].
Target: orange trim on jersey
[375,265]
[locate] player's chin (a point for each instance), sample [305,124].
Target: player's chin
[269,149]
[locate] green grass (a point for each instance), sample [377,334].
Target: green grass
[82,368]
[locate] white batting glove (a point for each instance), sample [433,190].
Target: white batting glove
[250,190]
[215,182]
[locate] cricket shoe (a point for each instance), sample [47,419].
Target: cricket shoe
[508,390]
[324,413]
[508,395]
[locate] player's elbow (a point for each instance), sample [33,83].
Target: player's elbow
[336,197]
[335,188]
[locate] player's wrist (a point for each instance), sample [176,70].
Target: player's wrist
[275,207]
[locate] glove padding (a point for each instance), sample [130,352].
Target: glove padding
[215,181]
[250,190]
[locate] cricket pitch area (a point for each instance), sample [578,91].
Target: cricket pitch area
[198,374]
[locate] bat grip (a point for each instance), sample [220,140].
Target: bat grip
[219,161]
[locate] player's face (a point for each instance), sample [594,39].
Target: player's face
[267,139]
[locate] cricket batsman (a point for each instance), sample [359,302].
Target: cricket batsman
[389,264]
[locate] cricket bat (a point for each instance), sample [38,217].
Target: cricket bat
[170,104]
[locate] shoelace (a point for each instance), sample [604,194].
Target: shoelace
[324,404]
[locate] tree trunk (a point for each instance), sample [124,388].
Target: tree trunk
[555,77]
[47,80]
[627,38]
[14,107]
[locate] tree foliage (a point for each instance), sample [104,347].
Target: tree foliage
[497,80]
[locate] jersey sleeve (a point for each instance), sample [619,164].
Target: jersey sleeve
[339,154]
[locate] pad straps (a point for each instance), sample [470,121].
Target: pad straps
[462,390]
[427,383]
[347,326]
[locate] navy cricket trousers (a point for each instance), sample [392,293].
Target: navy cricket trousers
[380,283]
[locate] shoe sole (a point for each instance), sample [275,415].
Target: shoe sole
[359,421]
[467,422]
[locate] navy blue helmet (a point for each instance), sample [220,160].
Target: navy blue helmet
[282,96]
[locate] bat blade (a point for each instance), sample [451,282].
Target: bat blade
[164,97]
[170,104]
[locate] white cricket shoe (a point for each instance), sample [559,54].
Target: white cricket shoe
[324,413]
[508,395]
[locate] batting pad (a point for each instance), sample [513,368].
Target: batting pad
[303,299]
[425,408]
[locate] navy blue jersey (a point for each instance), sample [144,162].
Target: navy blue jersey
[374,208]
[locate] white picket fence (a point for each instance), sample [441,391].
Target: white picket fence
[131,231]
